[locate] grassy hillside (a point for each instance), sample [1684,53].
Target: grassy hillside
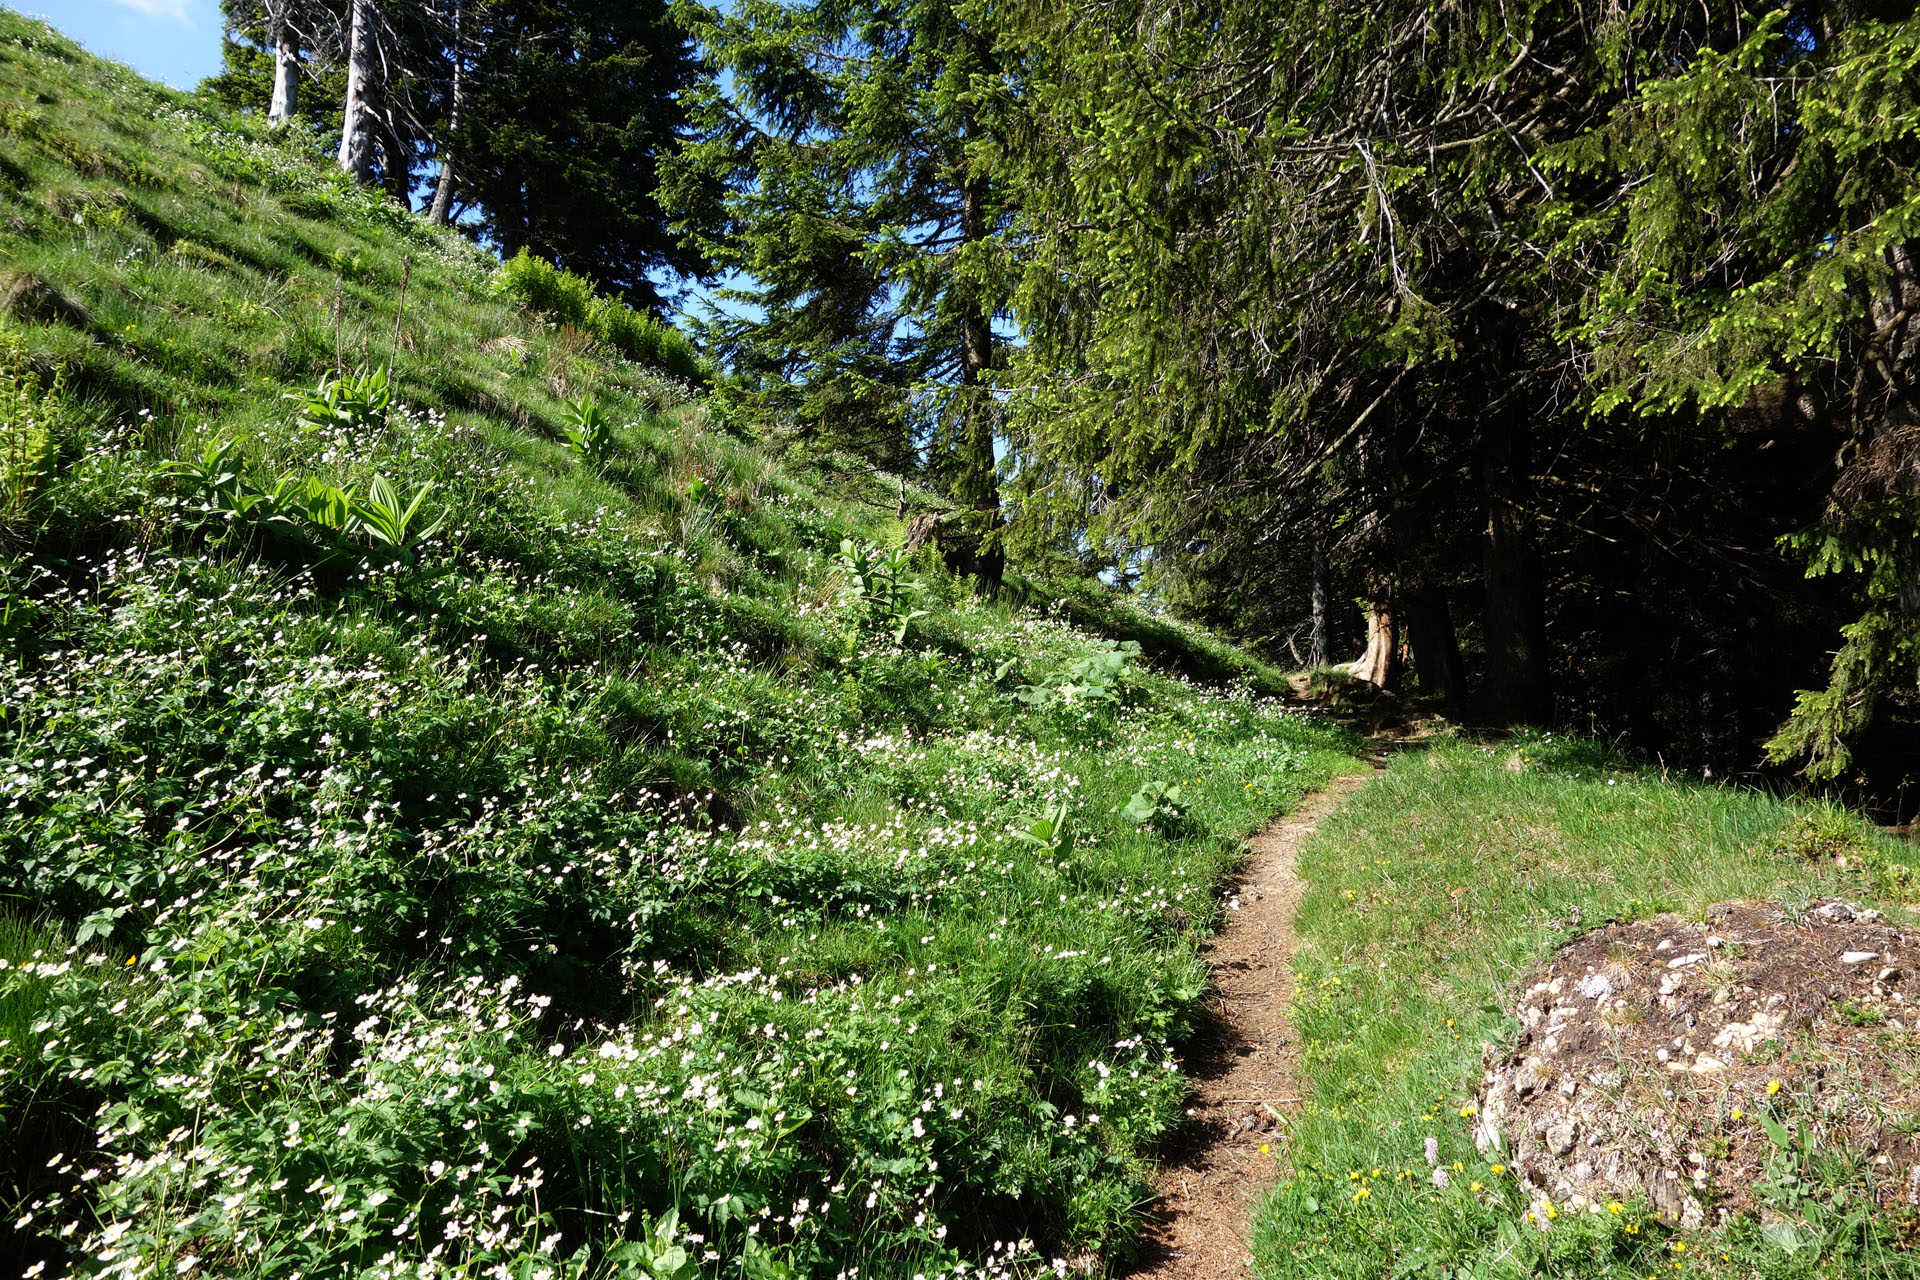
[431,844]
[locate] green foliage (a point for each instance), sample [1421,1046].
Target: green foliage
[215,479]
[878,584]
[349,402]
[30,417]
[1157,803]
[1759,249]
[844,165]
[216,488]
[660,1253]
[569,299]
[540,286]
[1050,832]
[1092,676]
[1821,1199]
[588,429]
[598,93]
[22,942]
[395,525]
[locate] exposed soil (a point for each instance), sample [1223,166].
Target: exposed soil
[1243,1066]
[1651,1050]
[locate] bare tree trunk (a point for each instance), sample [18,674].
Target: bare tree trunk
[356,123]
[1435,644]
[512,224]
[978,485]
[441,211]
[1380,664]
[286,71]
[1319,644]
[1517,687]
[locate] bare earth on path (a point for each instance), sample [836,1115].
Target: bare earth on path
[1243,1067]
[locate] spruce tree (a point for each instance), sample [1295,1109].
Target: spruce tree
[566,112]
[844,168]
[1748,229]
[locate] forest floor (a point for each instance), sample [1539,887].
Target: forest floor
[1244,1066]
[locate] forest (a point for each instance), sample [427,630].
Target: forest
[1558,353]
[655,640]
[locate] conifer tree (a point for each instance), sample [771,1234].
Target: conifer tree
[1285,282]
[566,112]
[1749,233]
[845,169]
[544,120]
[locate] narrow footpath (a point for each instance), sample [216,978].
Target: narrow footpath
[1244,1066]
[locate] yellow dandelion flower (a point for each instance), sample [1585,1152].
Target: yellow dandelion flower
[1773,1087]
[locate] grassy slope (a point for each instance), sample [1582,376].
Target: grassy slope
[605,862]
[1433,892]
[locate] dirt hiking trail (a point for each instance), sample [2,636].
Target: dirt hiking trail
[1244,1065]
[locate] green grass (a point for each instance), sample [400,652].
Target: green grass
[188,264]
[600,861]
[22,942]
[1433,891]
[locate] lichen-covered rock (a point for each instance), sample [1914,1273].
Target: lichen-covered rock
[1649,1050]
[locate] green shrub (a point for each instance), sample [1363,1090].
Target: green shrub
[350,402]
[566,298]
[29,415]
[538,285]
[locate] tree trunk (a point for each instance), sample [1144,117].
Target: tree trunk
[356,123]
[977,484]
[441,211]
[1431,636]
[1319,644]
[1517,687]
[396,171]
[286,72]
[511,223]
[1422,600]
[1380,664]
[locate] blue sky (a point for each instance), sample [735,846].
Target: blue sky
[177,41]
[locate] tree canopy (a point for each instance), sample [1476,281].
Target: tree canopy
[845,169]
[1572,343]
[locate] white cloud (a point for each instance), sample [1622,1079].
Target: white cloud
[178,10]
